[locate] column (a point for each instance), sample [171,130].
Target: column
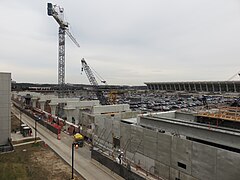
[34,102]
[42,103]
[53,106]
[69,112]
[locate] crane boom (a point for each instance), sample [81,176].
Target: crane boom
[57,13]
[103,100]
[89,73]
[72,38]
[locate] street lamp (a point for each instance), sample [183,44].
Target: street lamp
[76,145]
[36,129]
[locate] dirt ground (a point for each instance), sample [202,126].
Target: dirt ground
[34,161]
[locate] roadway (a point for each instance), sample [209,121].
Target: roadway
[82,161]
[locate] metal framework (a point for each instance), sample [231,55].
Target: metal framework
[224,113]
[58,14]
[61,61]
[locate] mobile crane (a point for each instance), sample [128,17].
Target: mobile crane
[103,100]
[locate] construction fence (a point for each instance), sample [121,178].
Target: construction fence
[115,167]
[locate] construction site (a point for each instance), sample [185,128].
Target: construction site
[161,130]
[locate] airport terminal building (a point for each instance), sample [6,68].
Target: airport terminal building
[196,86]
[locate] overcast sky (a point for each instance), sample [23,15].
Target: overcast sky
[127,42]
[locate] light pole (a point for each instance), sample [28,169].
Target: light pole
[36,129]
[76,145]
[73,144]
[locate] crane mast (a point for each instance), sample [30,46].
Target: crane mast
[103,100]
[57,13]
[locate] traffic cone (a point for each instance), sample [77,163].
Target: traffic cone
[58,137]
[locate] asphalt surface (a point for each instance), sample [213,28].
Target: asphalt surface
[82,162]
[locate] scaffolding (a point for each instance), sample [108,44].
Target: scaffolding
[223,113]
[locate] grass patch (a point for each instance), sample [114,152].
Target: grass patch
[18,164]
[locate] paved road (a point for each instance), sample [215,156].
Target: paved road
[82,163]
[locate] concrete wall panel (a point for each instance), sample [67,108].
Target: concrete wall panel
[184,176]
[228,165]
[110,108]
[137,140]
[5,107]
[150,143]
[143,161]
[185,116]
[108,123]
[164,148]
[181,154]
[166,114]
[125,136]
[161,170]
[116,128]
[174,173]
[203,161]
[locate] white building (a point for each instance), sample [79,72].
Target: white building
[5,108]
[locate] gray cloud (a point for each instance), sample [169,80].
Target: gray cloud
[127,42]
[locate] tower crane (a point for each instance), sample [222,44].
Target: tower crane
[103,100]
[57,13]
